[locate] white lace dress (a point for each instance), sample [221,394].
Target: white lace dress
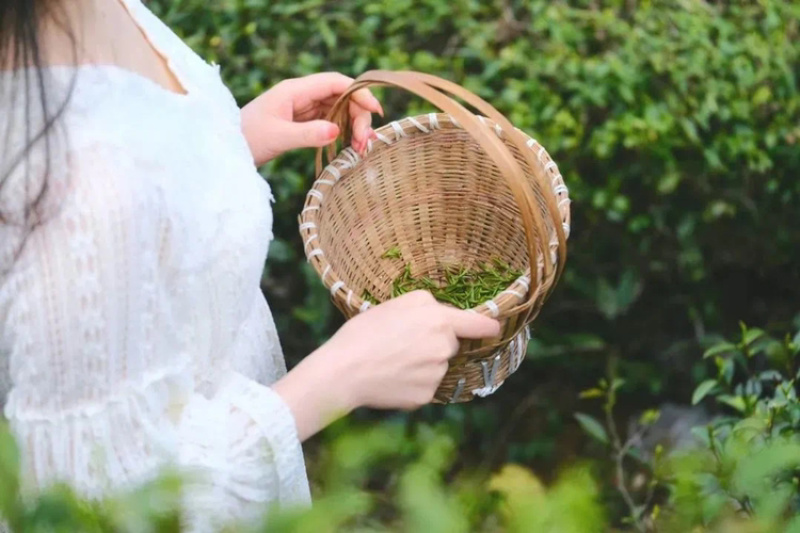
[133,332]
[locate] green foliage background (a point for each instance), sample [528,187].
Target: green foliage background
[676,125]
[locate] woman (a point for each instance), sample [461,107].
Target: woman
[133,231]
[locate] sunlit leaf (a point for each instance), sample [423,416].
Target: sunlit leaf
[649,417]
[517,482]
[592,393]
[736,402]
[720,349]
[750,427]
[752,335]
[702,390]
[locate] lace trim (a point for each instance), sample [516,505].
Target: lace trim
[276,422]
[243,448]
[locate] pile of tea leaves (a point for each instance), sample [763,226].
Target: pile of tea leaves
[462,287]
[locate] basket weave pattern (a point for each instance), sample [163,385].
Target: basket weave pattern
[427,187]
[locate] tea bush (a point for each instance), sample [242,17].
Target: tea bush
[742,473]
[421,495]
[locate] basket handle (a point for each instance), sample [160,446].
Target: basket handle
[435,91]
[542,184]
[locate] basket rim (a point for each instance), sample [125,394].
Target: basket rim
[396,131]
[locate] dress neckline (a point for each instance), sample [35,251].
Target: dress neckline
[63,72]
[133,8]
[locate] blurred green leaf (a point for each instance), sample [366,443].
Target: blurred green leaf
[592,393]
[10,504]
[591,426]
[702,390]
[720,349]
[736,402]
[649,417]
[752,335]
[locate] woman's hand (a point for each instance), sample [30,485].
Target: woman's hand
[392,357]
[288,116]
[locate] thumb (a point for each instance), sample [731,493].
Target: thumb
[468,325]
[311,134]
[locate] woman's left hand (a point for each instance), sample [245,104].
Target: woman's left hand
[289,116]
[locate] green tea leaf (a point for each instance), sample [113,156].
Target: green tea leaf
[726,368]
[736,402]
[591,393]
[392,253]
[756,469]
[702,390]
[649,417]
[701,434]
[750,427]
[720,349]
[752,335]
[770,375]
[591,426]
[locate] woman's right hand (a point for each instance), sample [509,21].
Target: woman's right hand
[392,357]
[395,355]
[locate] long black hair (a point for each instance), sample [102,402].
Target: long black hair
[23,61]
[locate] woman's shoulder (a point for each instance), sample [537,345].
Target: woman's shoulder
[90,103]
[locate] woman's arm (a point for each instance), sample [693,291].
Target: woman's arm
[289,116]
[392,357]
[395,355]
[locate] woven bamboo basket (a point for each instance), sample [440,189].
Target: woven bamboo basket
[447,189]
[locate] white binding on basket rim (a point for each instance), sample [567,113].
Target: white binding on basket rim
[348,159]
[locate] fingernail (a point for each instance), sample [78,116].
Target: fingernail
[377,104]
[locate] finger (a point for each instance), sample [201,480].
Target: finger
[452,346]
[361,128]
[468,325]
[329,102]
[359,103]
[312,111]
[318,87]
[323,107]
[414,299]
[365,99]
[311,134]
[327,85]
[331,85]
